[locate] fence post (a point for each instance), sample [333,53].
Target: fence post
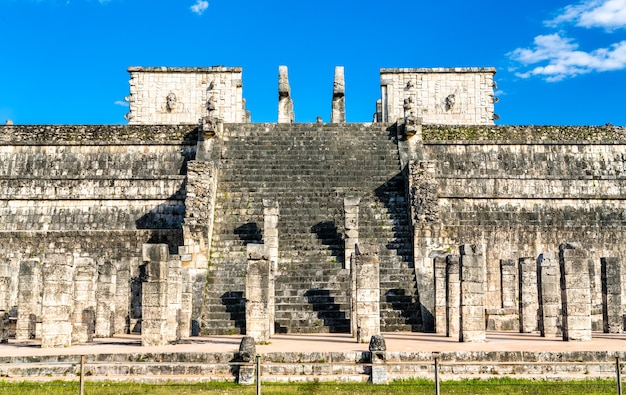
[258,375]
[619,376]
[82,375]
[436,357]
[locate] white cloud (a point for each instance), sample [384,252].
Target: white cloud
[200,7]
[607,14]
[556,57]
[121,103]
[565,60]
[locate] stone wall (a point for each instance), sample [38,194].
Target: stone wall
[522,198]
[94,195]
[98,193]
[451,96]
[179,95]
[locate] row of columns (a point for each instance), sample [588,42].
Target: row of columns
[548,294]
[65,300]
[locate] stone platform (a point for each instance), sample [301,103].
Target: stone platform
[330,357]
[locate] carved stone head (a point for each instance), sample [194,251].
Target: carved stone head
[211,104]
[170,102]
[450,101]
[408,105]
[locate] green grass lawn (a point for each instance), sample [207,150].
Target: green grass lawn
[496,386]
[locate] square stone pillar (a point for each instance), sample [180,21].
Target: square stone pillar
[257,293]
[271,213]
[472,273]
[154,299]
[105,295]
[528,298]
[453,296]
[549,295]
[440,294]
[186,302]
[4,327]
[57,306]
[174,299]
[366,276]
[351,218]
[122,295]
[84,314]
[575,292]
[612,317]
[5,285]
[28,299]
[509,283]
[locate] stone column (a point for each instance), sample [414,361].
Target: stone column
[378,359]
[612,317]
[549,296]
[424,208]
[4,327]
[338,113]
[186,303]
[453,296]
[575,292]
[28,299]
[366,276]
[58,301]
[285,104]
[351,218]
[441,290]
[257,293]
[84,315]
[154,306]
[271,212]
[105,300]
[122,296]
[472,273]
[528,298]
[5,285]
[174,299]
[509,283]
[198,278]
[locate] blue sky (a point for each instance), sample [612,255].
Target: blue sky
[558,62]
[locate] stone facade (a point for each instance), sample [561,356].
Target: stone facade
[180,95]
[447,96]
[79,203]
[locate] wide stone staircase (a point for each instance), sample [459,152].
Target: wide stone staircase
[309,169]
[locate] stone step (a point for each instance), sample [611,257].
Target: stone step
[308,170]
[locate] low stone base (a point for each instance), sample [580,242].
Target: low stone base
[246,375]
[379,374]
[502,320]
